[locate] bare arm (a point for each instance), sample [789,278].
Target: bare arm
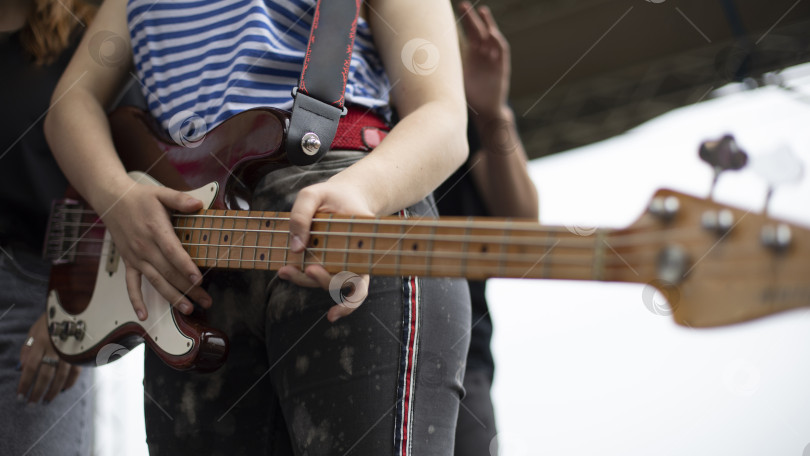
[423,149]
[499,167]
[79,136]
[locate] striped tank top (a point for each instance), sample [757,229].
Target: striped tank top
[201,62]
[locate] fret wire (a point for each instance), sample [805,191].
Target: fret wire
[504,236]
[304,258]
[326,235]
[373,243]
[346,253]
[219,239]
[270,247]
[210,234]
[242,240]
[286,250]
[431,243]
[399,257]
[546,265]
[195,235]
[258,237]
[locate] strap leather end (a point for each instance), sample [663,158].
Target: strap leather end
[311,116]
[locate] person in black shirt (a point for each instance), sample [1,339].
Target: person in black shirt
[493,182]
[45,401]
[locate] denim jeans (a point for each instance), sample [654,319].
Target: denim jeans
[385,380]
[64,426]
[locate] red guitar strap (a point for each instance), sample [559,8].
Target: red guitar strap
[318,98]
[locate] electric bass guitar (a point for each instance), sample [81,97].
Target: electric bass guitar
[714,264]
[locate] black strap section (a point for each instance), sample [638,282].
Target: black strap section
[318,102]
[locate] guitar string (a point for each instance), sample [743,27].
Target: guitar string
[381,253]
[576,272]
[514,237]
[584,243]
[538,270]
[512,225]
[554,258]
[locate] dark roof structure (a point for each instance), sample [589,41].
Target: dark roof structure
[586,70]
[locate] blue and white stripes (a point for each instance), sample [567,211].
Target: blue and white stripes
[212,59]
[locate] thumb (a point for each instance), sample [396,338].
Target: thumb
[178,201]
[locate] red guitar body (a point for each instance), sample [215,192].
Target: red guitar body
[227,161]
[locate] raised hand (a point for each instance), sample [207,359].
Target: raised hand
[486,61]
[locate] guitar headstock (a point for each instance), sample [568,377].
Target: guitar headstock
[715,264]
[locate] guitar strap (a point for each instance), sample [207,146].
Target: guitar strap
[318,98]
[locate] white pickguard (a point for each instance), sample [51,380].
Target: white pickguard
[110,308]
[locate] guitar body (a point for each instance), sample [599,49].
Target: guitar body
[89,313]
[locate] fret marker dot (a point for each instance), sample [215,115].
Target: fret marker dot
[205,237]
[415,246]
[261,257]
[226,238]
[360,244]
[267,223]
[483,249]
[315,241]
[187,236]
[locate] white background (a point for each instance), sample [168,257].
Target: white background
[585,368]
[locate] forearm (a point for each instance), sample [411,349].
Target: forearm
[79,136]
[429,142]
[499,167]
[419,153]
[76,127]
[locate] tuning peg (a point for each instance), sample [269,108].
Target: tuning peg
[781,166]
[722,155]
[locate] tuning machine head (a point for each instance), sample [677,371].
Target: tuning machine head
[722,154]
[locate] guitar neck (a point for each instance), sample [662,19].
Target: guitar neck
[474,248]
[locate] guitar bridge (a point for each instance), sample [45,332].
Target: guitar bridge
[62,235]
